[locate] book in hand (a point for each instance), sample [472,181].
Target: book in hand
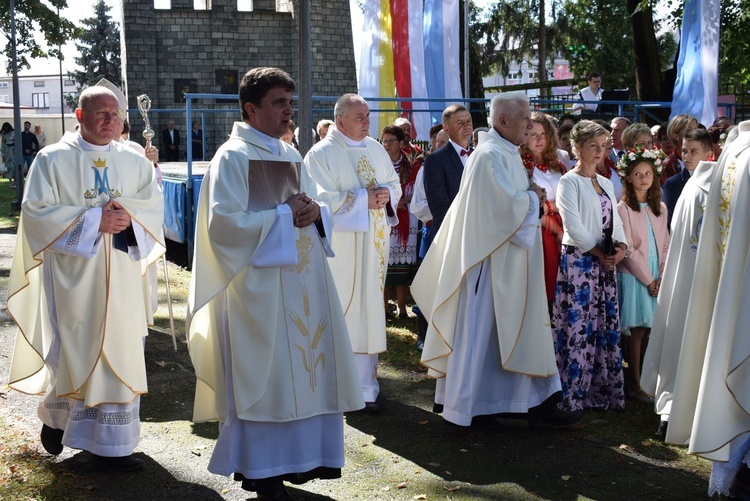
[271,183]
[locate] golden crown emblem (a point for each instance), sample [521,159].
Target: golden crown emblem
[100,163]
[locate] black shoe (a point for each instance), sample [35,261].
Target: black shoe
[370,408]
[52,440]
[556,418]
[661,431]
[437,408]
[273,490]
[122,463]
[740,488]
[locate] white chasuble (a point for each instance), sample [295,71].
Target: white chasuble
[665,346]
[488,219]
[720,308]
[264,287]
[361,237]
[90,304]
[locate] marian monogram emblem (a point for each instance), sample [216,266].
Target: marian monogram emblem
[101,182]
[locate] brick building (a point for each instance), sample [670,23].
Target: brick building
[176,46]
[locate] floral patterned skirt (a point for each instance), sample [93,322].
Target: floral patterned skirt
[586,332]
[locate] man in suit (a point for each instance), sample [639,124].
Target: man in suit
[618,124]
[443,168]
[170,139]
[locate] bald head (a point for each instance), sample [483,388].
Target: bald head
[352,116]
[345,103]
[91,93]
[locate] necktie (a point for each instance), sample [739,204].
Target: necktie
[620,154]
[465,153]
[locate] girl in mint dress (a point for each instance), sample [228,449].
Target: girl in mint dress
[644,219]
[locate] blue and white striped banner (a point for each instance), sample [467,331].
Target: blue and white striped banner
[696,87]
[441,47]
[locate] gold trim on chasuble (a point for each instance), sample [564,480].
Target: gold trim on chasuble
[310,360]
[725,216]
[366,173]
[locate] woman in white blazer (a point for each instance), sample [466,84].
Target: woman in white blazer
[585,312]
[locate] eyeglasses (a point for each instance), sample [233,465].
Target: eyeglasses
[390,141]
[534,136]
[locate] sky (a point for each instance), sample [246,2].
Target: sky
[75,12]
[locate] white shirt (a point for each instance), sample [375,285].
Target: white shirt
[586,94]
[459,149]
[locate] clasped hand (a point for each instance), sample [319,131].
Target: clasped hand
[653,287]
[114,218]
[304,209]
[608,262]
[377,197]
[540,192]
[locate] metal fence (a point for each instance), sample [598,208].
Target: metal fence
[215,113]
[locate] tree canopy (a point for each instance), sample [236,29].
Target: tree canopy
[99,46]
[32,18]
[590,34]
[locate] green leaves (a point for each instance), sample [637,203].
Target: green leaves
[32,17]
[99,46]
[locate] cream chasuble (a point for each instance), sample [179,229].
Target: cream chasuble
[361,237]
[100,320]
[266,287]
[665,347]
[720,309]
[482,223]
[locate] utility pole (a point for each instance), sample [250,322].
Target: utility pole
[16,204]
[305,79]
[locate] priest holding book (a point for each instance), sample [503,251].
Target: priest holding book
[266,332]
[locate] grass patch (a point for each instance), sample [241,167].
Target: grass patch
[8,217]
[27,472]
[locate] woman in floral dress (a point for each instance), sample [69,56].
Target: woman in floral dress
[585,312]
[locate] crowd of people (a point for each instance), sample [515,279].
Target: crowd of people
[537,264]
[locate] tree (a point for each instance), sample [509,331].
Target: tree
[734,44]
[652,84]
[33,17]
[100,52]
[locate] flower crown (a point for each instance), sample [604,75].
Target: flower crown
[654,157]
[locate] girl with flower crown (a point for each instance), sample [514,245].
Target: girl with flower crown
[644,220]
[539,155]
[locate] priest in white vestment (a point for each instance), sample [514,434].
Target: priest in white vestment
[665,348]
[362,188]
[266,332]
[481,285]
[150,284]
[716,405]
[90,215]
